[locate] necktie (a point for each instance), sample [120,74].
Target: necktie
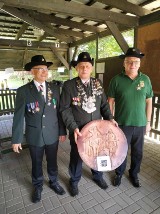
[41,91]
[86,83]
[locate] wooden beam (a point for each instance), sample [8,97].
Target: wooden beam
[68,32]
[21,30]
[1,4]
[42,37]
[23,43]
[126,7]
[75,53]
[118,36]
[21,14]
[74,9]
[93,37]
[66,22]
[60,57]
[150,18]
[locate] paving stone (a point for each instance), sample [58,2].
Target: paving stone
[154,195]
[14,207]
[114,209]
[157,211]
[132,208]
[32,207]
[85,198]
[119,200]
[69,209]
[47,204]
[20,211]
[122,212]
[150,203]
[3,208]
[126,198]
[83,190]
[141,211]
[13,201]
[137,196]
[98,197]
[98,208]
[55,201]
[59,210]
[8,195]
[87,205]
[145,206]
[77,206]
[91,211]
[109,203]
[66,199]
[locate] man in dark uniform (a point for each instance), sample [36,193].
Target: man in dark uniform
[82,100]
[38,103]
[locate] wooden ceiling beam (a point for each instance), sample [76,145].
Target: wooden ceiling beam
[66,22]
[94,37]
[22,43]
[74,9]
[118,36]
[21,14]
[126,6]
[150,18]
[60,57]
[21,30]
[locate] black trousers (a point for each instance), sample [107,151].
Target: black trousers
[75,165]
[37,154]
[135,140]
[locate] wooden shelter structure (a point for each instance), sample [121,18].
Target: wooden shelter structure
[54,27]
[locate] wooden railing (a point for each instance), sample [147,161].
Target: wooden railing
[155,119]
[7,101]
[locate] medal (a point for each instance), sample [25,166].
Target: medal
[37,109]
[54,102]
[88,103]
[28,107]
[32,107]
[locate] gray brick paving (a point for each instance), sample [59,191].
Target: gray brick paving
[16,187]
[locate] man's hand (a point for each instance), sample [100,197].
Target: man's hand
[148,128]
[17,147]
[62,138]
[77,134]
[114,122]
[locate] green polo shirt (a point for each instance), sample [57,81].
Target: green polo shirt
[130,98]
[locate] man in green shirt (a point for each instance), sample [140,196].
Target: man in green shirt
[130,98]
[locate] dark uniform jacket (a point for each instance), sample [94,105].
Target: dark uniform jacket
[43,122]
[74,116]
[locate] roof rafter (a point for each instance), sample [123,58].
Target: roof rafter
[66,22]
[126,6]
[21,31]
[74,9]
[23,15]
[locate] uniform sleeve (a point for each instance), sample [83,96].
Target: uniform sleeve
[62,128]
[65,108]
[18,119]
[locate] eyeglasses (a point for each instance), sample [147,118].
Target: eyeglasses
[132,62]
[40,69]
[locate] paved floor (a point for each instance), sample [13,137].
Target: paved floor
[16,188]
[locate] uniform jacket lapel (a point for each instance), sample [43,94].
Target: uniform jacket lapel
[35,93]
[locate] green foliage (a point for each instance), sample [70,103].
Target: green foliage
[107,46]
